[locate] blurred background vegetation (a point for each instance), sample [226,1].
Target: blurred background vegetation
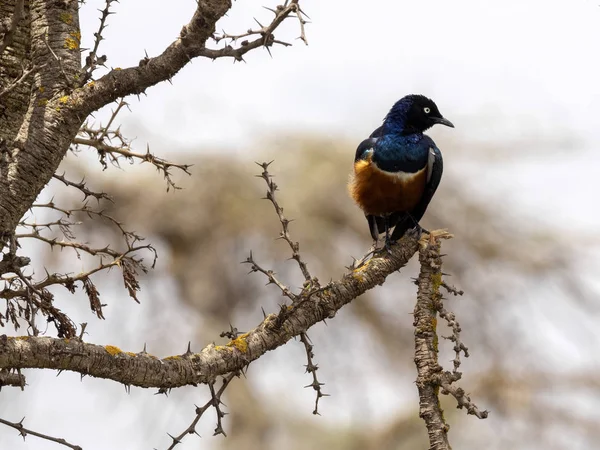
[525,300]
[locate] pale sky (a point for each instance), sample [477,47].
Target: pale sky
[528,63]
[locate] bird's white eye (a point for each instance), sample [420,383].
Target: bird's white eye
[427,110]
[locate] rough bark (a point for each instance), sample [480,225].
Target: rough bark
[144,370]
[16,55]
[45,132]
[426,344]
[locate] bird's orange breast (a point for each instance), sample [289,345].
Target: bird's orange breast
[378,192]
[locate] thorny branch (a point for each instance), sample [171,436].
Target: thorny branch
[24,432]
[311,284]
[26,296]
[102,139]
[215,401]
[92,61]
[265,38]
[83,188]
[430,375]
[285,234]
[145,371]
[312,368]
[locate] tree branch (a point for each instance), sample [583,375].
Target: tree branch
[25,432]
[426,343]
[190,44]
[430,375]
[148,371]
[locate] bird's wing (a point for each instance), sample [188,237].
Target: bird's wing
[368,144]
[435,167]
[364,148]
[377,133]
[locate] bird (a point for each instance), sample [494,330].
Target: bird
[398,169]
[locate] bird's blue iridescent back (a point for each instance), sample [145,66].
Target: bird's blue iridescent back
[398,153]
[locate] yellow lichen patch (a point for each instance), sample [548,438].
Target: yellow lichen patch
[91,84]
[22,338]
[358,272]
[117,68]
[171,358]
[42,89]
[66,18]
[240,343]
[436,279]
[72,42]
[130,354]
[112,350]
[64,99]
[42,102]
[435,336]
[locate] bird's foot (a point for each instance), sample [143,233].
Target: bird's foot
[423,230]
[416,232]
[388,244]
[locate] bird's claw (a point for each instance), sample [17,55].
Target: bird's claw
[416,232]
[388,246]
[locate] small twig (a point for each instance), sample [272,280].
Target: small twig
[215,401]
[9,378]
[232,333]
[264,35]
[285,234]
[24,432]
[83,188]
[92,61]
[254,267]
[451,289]
[459,347]
[463,400]
[102,140]
[312,368]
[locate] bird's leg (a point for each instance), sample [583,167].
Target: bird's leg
[375,236]
[388,242]
[418,228]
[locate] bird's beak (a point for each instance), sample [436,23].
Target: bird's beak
[443,121]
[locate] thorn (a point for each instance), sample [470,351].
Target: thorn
[175,440]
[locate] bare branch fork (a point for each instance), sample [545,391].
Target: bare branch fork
[430,375]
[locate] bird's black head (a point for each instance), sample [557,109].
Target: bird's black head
[413,114]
